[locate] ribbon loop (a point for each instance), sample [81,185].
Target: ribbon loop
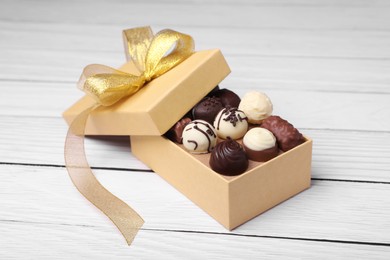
[152,55]
[179,46]
[137,42]
[108,85]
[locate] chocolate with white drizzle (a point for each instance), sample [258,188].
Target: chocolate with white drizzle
[199,137]
[231,122]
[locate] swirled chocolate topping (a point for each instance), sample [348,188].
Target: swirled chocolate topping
[229,158]
[286,135]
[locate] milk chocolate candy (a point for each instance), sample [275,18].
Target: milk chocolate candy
[175,134]
[286,135]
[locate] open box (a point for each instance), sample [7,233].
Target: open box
[230,200]
[149,113]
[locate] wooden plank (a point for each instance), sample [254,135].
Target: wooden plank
[258,42]
[305,110]
[269,72]
[41,141]
[325,66]
[103,243]
[327,211]
[345,15]
[349,155]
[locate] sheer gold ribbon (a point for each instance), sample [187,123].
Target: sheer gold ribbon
[149,54]
[153,55]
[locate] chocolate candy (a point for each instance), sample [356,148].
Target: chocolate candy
[213,91]
[199,137]
[286,135]
[175,134]
[207,109]
[227,97]
[260,144]
[257,106]
[231,122]
[228,158]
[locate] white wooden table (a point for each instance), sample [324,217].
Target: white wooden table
[325,65]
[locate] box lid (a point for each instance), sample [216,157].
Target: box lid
[159,104]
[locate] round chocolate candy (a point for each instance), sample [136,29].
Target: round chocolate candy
[257,106]
[207,109]
[286,135]
[213,91]
[199,137]
[227,97]
[175,134]
[260,144]
[231,122]
[229,158]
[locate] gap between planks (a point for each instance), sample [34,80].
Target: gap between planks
[151,171]
[319,240]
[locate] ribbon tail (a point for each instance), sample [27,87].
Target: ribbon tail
[124,217]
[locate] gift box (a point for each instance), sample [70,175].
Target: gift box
[161,103]
[149,113]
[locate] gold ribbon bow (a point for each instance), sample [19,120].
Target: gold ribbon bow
[149,54]
[153,55]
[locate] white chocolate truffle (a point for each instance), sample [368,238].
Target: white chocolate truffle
[257,106]
[259,139]
[260,145]
[199,137]
[231,122]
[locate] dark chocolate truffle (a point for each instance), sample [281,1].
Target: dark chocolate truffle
[212,92]
[229,158]
[207,109]
[286,135]
[228,97]
[175,134]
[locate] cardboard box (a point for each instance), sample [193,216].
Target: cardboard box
[149,113]
[159,104]
[230,200]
